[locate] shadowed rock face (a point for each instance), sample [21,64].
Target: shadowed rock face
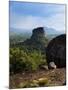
[38,33]
[56,51]
[37,40]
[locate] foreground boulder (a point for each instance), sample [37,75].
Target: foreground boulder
[52,65]
[56,51]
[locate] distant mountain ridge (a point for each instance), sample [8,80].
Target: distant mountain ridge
[51,31]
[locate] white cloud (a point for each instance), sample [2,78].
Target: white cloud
[54,8]
[56,21]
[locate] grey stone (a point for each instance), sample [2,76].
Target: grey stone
[52,65]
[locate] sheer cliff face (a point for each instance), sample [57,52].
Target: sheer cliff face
[38,33]
[56,51]
[37,40]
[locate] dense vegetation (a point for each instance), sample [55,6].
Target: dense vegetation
[18,37]
[22,60]
[29,54]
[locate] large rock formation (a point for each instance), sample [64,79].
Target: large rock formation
[37,40]
[38,33]
[56,51]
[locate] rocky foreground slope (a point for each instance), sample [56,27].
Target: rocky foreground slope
[54,77]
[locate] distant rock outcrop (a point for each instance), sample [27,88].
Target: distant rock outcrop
[37,40]
[38,33]
[56,51]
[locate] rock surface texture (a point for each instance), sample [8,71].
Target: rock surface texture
[37,40]
[56,51]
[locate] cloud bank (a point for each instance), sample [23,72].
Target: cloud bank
[53,18]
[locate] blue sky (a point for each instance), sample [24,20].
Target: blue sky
[26,16]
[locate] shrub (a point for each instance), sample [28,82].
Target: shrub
[24,61]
